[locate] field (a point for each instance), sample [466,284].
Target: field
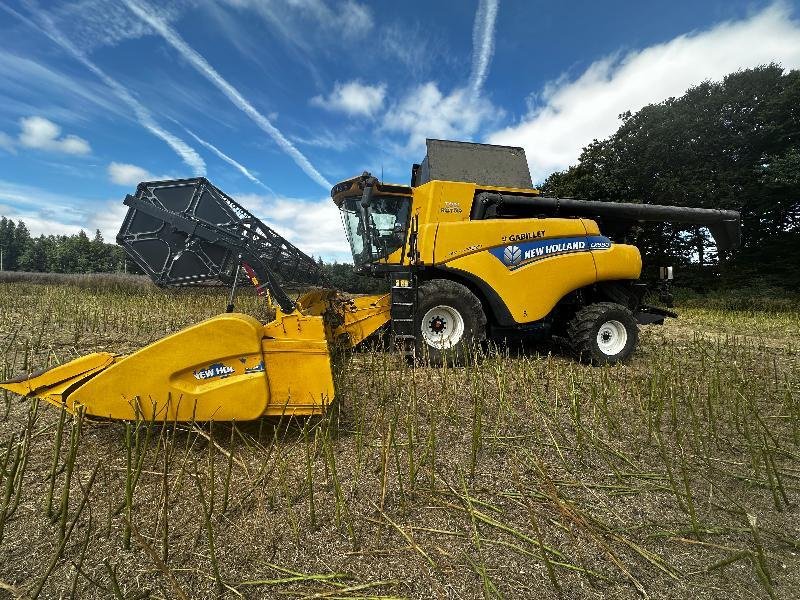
[522,475]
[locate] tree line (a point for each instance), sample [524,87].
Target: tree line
[57,253]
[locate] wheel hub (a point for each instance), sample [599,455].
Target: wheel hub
[438,325]
[442,327]
[612,337]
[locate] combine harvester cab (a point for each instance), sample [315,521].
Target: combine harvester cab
[229,367]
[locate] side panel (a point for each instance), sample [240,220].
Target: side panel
[455,240]
[531,291]
[210,371]
[297,364]
[531,264]
[299,375]
[621,261]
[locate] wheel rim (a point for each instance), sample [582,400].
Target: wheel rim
[612,337]
[442,327]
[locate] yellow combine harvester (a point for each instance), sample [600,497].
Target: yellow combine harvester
[473,252]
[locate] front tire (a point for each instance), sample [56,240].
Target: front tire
[450,320]
[604,333]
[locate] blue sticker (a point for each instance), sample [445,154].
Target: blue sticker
[519,255]
[259,368]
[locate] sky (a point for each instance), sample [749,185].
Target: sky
[276,100]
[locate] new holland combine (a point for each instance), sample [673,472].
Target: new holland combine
[473,253]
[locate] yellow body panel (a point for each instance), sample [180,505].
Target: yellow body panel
[54,385]
[209,371]
[455,240]
[621,261]
[363,316]
[299,376]
[530,291]
[229,367]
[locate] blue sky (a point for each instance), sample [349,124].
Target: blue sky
[275,100]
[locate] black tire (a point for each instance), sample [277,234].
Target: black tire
[585,334]
[464,304]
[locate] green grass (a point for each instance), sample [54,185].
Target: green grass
[518,476]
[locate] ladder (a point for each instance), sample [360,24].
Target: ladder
[403,311]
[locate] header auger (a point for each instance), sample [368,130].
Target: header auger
[473,253]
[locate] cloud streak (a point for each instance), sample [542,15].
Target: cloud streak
[236,165]
[204,68]
[46,26]
[572,113]
[482,43]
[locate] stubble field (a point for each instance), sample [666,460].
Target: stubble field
[522,475]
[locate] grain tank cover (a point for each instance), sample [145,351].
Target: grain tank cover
[484,164]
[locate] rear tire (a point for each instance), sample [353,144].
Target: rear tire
[604,333]
[450,321]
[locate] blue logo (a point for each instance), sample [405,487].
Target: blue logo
[517,256]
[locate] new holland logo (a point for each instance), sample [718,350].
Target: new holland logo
[215,370]
[517,256]
[512,255]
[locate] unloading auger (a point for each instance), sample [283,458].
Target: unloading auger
[230,367]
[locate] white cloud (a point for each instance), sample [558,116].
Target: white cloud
[127,174]
[314,226]
[353,98]
[43,134]
[40,225]
[426,112]
[108,219]
[202,66]
[571,113]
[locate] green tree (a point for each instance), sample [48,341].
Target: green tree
[14,239]
[732,144]
[37,255]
